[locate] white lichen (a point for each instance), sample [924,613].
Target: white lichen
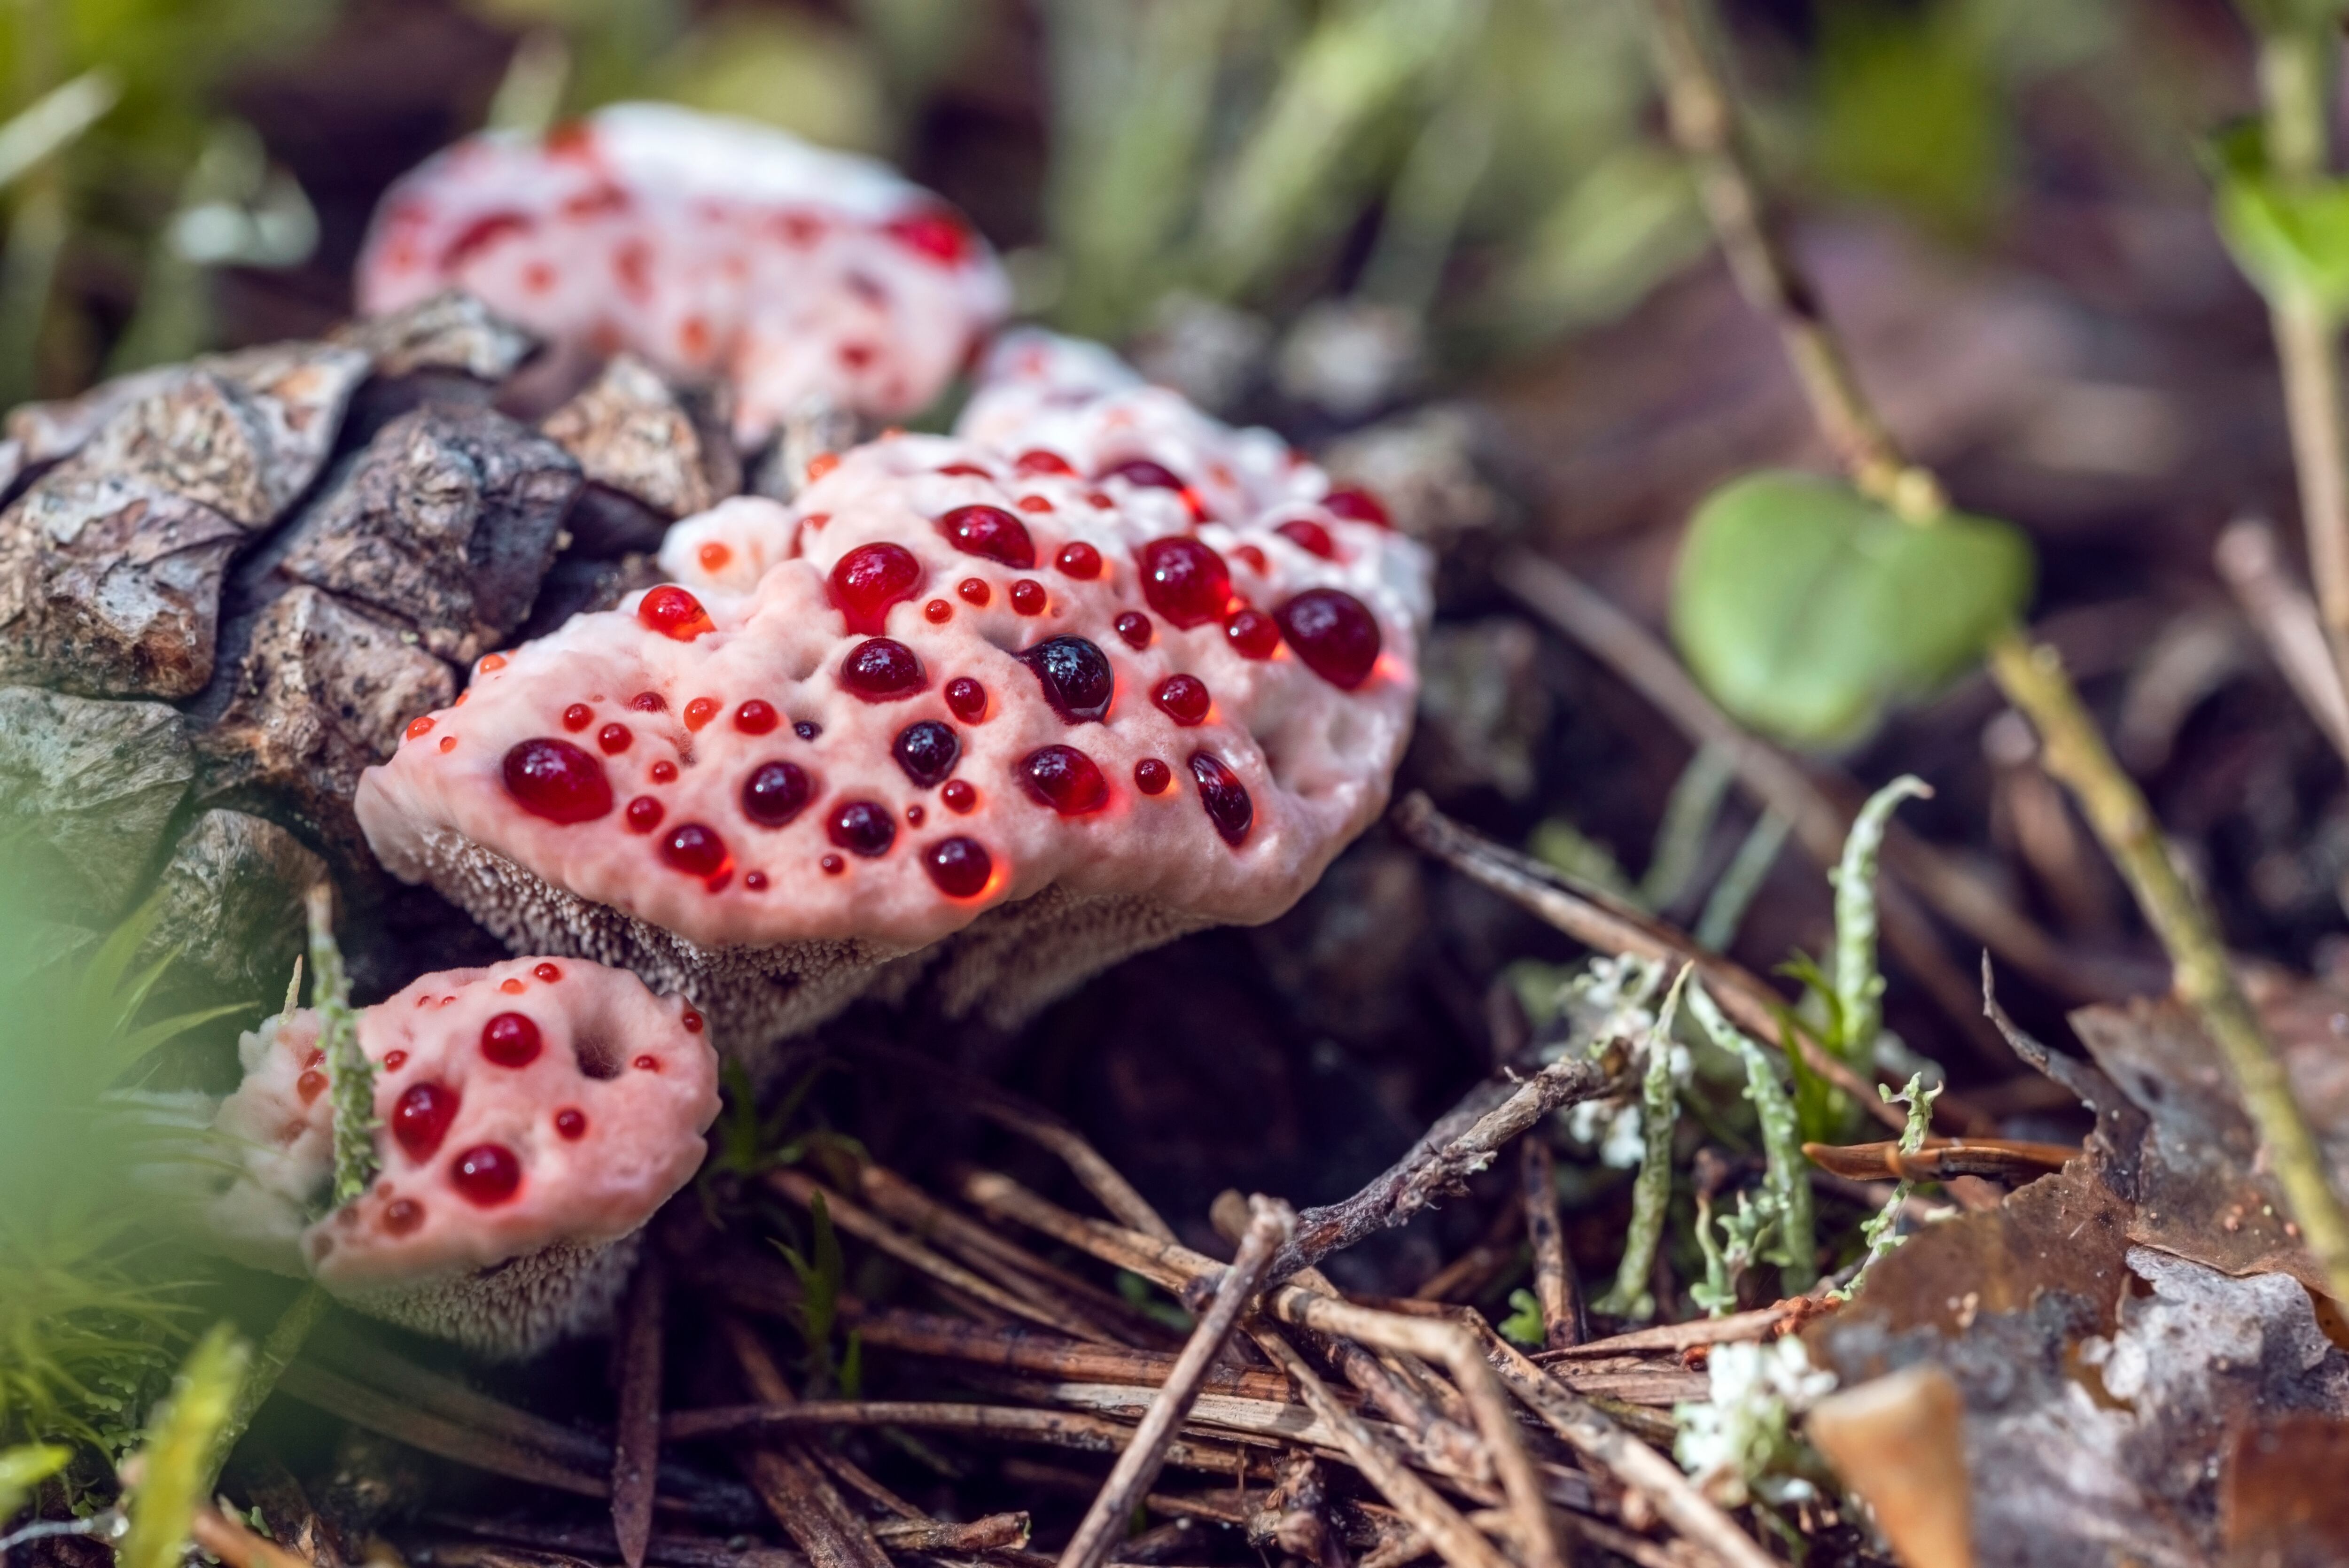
[1740,1444]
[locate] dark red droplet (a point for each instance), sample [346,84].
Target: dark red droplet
[756,882]
[1224,797]
[938,611]
[958,794]
[807,730]
[833,865]
[570,1122]
[1152,775]
[664,771]
[673,612]
[882,670]
[694,849]
[757,716]
[1076,678]
[1356,505]
[691,1020]
[1308,536]
[975,591]
[967,699]
[862,828]
[959,866]
[1042,462]
[935,233]
[1079,560]
[1334,632]
[578,716]
[915,814]
[614,738]
[1185,581]
[1064,778]
[992,532]
[1143,473]
[420,1119]
[1252,634]
[395,1060]
[775,793]
[511,1040]
[647,1064]
[486,1175]
[1027,596]
[1183,698]
[968,471]
[649,702]
[699,712]
[402,1215]
[556,780]
[644,814]
[1252,558]
[869,578]
[927,751]
[310,1085]
[1135,628]
[547,971]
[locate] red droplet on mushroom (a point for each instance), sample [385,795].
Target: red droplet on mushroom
[807,730]
[915,815]
[695,849]
[959,866]
[935,233]
[967,699]
[310,1085]
[578,716]
[402,1216]
[1075,676]
[647,1064]
[714,555]
[975,591]
[1064,778]
[1185,581]
[1223,797]
[822,464]
[673,612]
[1309,536]
[862,828]
[868,580]
[570,1122]
[663,772]
[1135,628]
[1142,472]
[556,780]
[422,724]
[395,1060]
[700,711]
[1042,462]
[481,234]
[1032,503]
[1252,634]
[645,813]
[756,882]
[938,611]
[969,470]
[547,971]
[927,751]
[420,1119]
[1252,558]
[491,663]
[1357,505]
[881,670]
[1079,560]
[958,794]
[1152,775]
[833,865]
[486,1175]
[691,1020]
[448,743]
[512,987]
[511,1040]
[1183,698]
[614,738]
[775,793]
[1027,596]
[992,532]
[756,716]
[1334,632]
[649,702]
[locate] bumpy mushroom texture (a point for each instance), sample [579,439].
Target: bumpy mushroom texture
[711,247]
[534,1115]
[982,693]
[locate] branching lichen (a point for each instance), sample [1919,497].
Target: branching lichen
[1651,1190]
[1789,1182]
[1745,1235]
[1860,988]
[1882,1233]
[350,1077]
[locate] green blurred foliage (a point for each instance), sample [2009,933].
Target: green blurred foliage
[182,1451]
[2290,237]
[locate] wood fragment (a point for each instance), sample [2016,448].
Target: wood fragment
[2286,619]
[1556,1288]
[1269,1226]
[1060,1429]
[1675,1337]
[790,1482]
[404,1422]
[635,1453]
[1941,1159]
[1466,1276]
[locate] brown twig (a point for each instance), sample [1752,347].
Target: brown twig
[2006,1159]
[1677,1336]
[1556,1288]
[788,1480]
[1091,1432]
[2286,619]
[1498,1250]
[635,1453]
[403,1422]
[1580,913]
[1269,1226]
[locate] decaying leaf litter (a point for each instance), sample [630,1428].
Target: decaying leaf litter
[2134,1356]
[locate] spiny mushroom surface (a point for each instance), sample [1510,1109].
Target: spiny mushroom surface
[712,247]
[531,1117]
[1035,698]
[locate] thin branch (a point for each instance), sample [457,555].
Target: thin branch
[635,1453]
[1137,1468]
[1556,1288]
[2286,619]
[788,1480]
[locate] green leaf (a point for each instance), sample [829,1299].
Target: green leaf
[2290,237]
[1806,609]
[181,1449]
[1524,1325]
[22,1468]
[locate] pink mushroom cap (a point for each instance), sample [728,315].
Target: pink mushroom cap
[969,676]
[715,248]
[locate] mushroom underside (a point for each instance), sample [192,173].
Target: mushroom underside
[513,1310]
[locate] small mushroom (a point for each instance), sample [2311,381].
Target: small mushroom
[712,247]
[1060,688]
[531,1117]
